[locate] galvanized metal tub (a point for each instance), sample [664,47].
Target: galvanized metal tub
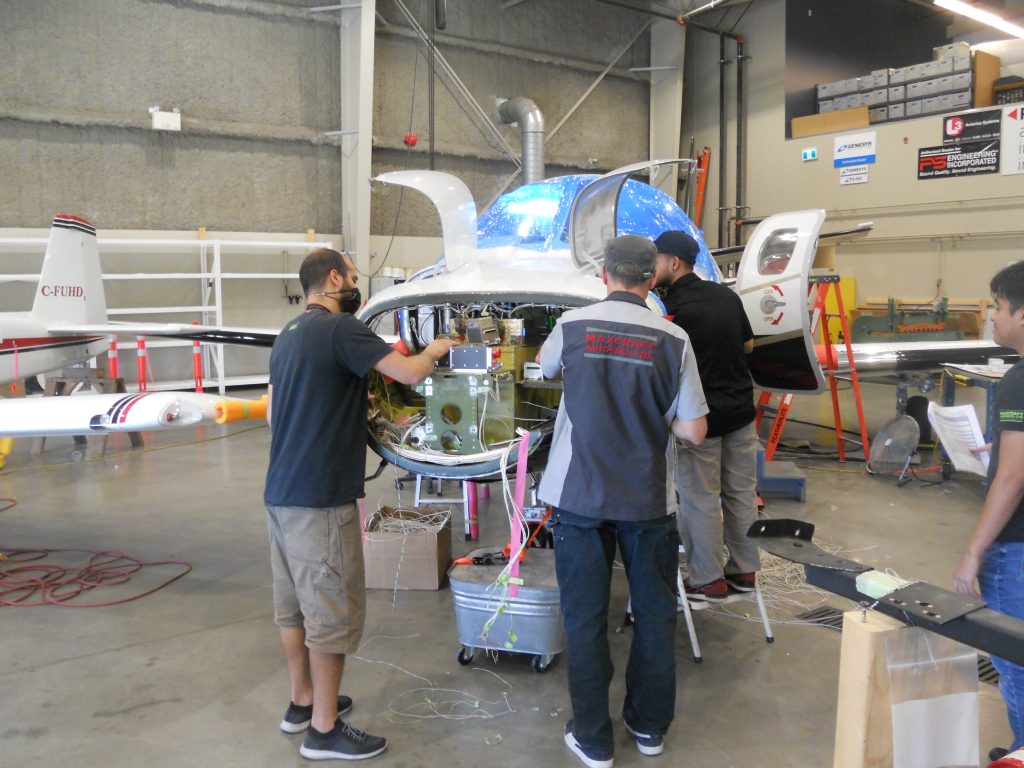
[530,622]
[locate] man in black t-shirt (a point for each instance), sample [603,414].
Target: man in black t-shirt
[995,551]
[717,480]
[317,413]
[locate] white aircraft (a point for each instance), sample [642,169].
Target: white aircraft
[535,253]
[68,325]
[503,282]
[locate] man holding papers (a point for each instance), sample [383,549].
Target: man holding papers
[995,551]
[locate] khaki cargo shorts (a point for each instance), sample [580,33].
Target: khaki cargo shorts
[316,557]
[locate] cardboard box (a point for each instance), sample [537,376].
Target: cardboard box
[824,106]
[930,105]
[897,93]
[915,90]
[844,120]
[414,560]
[878,114]
[951,51]
[896,112]
[962,81]
[915,72]
[898,75]
[882,77]
[962,99]
[943,84]
[962,63]
[876,98]
[913,108]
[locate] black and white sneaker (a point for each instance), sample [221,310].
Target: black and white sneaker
[648,744]
[297,719]
[590,758]
[342,742]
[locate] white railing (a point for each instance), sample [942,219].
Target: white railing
[210,274]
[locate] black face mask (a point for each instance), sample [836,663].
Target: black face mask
[352,302]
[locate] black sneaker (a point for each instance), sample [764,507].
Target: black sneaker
[342,742]
[589,758]
[648,744]
[297,719]
[997,753]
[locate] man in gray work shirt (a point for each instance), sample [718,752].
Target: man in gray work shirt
[630,387]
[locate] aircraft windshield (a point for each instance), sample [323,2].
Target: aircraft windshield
[535,217]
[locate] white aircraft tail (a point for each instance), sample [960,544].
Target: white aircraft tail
[71,283]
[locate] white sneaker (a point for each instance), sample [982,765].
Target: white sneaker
[648,744]
[577,748]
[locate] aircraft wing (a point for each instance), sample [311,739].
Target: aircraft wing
[124,412]
[253,337]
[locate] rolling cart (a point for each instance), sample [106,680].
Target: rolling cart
[531,621]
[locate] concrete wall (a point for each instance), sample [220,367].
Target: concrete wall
[548,52]
[258,83]
[958,230]
[255,91]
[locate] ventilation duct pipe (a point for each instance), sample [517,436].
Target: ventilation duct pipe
[531,122]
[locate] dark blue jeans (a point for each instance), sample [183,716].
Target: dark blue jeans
[584,551]
[1001,579]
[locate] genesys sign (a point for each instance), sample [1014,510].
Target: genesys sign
[853,149]
[952,160]
[972,126]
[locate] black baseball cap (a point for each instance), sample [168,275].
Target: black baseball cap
[676,243]
[636,254]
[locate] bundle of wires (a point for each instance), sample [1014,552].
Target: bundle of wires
[499,588]
[27,580]
[407,520]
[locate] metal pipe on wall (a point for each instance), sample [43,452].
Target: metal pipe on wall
[721,141]
[531,122]
[740,138]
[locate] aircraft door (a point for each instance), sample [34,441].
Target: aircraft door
[772,282]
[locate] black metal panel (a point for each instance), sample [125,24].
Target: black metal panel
[984,629]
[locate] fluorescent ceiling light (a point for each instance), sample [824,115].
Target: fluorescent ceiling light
[978,14]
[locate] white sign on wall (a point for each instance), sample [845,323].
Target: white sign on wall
[1012,141]
[853,149]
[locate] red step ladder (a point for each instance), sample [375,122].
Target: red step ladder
[820,287]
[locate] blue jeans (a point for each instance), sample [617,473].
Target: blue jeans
[584,551]
[1001,579]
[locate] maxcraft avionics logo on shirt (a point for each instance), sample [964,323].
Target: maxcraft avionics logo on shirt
[1012,417]
[628,347]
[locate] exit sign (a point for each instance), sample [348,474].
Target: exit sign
[811,153]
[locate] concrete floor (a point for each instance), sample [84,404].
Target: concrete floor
[192,675]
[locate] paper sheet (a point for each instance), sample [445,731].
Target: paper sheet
[958,430]
[936,733]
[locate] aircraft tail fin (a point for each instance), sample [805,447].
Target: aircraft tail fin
[71,283]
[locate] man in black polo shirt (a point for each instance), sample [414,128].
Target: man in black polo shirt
[317,414]
[630,384]
[717,480]
[994,555]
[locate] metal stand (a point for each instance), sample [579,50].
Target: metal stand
[468,500]
[68,383]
